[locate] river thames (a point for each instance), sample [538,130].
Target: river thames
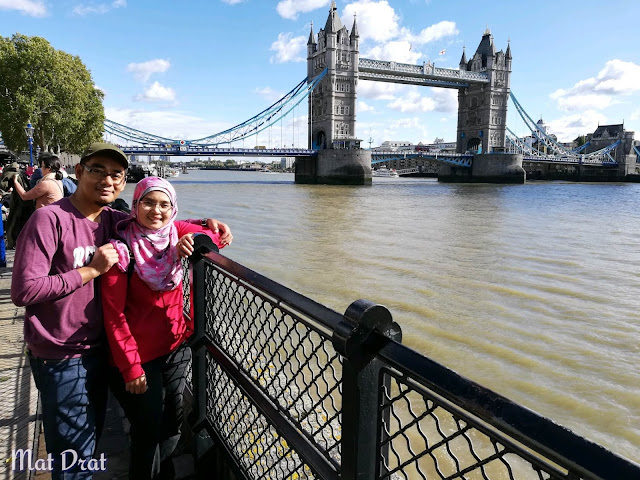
[530,290]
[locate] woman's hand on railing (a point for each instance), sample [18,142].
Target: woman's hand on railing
[185,245]
[137,385]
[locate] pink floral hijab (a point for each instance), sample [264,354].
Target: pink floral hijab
[154,251]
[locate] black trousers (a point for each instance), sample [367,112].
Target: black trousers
[156,415]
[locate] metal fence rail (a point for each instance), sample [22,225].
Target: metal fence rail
[289,389]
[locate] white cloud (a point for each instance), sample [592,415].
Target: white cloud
[232,2]
[290,9]
[377,20]
[571,102]
[435,32]
[413,102]
[143,71]
[378,90]
[569,127]
[169,124]
[380,30]
[441,100]
[157,93]
[406,129]
[98,8]
[269,94]
[616,78]
[446,99]
[289,49]
[35,8]
[398,51]
[363,107]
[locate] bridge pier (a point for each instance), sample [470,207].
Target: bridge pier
[335,167]
[486,168]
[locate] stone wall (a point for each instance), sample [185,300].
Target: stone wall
[335,167]
[486,168]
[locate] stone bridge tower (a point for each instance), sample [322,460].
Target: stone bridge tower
[482,109]
[332,105]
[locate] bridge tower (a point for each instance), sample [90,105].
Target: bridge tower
[482,109]
[332,107]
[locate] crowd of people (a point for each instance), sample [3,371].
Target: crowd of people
[24,191]
[103,295]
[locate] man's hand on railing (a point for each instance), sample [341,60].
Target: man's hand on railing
[225,232]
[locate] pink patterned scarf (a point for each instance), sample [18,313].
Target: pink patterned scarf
[154,251]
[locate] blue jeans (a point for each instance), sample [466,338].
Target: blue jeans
[73,393]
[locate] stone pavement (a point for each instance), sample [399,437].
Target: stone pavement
[20,426]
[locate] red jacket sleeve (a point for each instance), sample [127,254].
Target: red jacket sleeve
[185,227]
[123,346]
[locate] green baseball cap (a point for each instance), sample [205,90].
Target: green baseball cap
[106,149]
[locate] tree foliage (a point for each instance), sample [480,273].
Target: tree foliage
[51,89]
[579,141]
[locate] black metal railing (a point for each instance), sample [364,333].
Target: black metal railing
[285,388]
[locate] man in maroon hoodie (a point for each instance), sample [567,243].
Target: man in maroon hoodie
[61,250]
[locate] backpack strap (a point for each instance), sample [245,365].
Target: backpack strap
[131,267]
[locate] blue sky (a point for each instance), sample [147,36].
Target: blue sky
[186,69]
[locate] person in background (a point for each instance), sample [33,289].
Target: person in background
[142,302]
[68,183]
[61,251]
[37,174]
[49,188]
[19,210]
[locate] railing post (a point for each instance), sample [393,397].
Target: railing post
[202,244]
[361,386]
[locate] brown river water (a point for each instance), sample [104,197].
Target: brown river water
[530,290]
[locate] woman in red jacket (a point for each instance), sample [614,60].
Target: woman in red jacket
[145,326]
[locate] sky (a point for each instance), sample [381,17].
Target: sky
[191,68]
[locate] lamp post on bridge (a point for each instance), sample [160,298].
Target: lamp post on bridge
[29,131]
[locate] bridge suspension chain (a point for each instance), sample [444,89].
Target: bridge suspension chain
[558,152]
[254,125]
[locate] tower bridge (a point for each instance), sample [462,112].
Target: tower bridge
[486,150]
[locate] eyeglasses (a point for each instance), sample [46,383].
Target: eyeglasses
[99,173]
[164,207]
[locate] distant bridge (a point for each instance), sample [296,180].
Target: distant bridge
[198,150]
[461,159]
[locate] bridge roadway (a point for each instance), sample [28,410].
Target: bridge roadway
[465,159]
[460,159]
[173,150]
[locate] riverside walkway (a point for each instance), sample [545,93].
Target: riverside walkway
[20,425]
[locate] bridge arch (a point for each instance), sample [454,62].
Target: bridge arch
[320,140]
[473,145]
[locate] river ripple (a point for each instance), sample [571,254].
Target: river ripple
[531,290]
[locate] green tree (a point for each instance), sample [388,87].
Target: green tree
[579,141]
[51,89]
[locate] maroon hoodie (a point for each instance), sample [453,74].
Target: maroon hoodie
[63,318]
